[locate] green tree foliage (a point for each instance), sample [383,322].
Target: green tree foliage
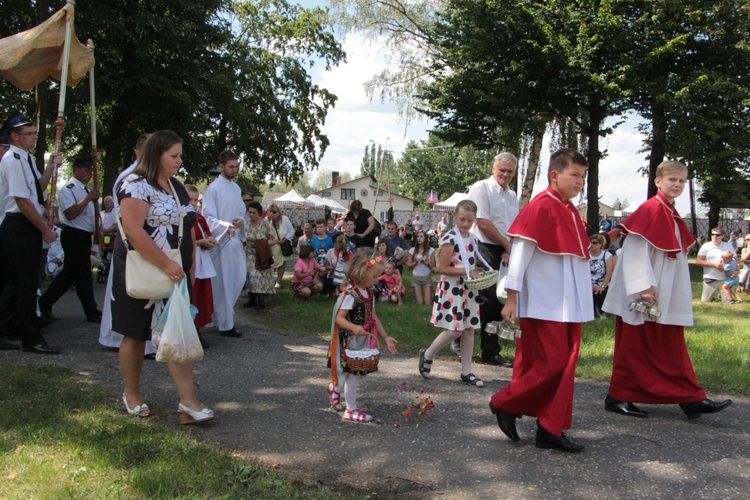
[436,165]
[508,66]
[220,74]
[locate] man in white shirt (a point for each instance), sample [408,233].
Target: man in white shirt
[224,211]
[77,215]
[22,231]
[709,258]
[497,207]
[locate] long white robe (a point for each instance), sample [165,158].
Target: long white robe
[670,277]
[222,203]
[107,336]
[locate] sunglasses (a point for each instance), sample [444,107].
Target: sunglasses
[247,201]
[716,234]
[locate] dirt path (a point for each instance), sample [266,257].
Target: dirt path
[268,391]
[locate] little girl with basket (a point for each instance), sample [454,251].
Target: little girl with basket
[352,352]
[455,307]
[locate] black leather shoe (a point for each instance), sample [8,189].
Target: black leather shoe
[95,318]
[47,319]
[695,410]
[8,346]
[506,422]
[623,408]
[42,348]
[497,360]
[545,440]
[234,332]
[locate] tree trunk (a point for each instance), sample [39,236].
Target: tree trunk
[533,166]
[658,146]
[115,145]
[592,198]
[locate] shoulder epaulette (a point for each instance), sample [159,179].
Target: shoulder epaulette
[16,155]
[70,186]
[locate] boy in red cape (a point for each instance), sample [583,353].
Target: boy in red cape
[549,290]
[651,363]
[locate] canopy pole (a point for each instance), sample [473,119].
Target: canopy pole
[60,121]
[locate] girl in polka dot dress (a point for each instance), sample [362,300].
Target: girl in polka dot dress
[455,308]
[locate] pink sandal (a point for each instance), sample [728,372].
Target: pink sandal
[357,416]
[335,396]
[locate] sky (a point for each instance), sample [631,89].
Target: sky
[356,120]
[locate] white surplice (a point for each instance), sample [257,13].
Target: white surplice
[550,287]
[222,203]
[670,277]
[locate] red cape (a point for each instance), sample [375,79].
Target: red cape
[654,221]
[553,224]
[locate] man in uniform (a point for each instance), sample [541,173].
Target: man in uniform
[224,211]
[77,214]
[22,231]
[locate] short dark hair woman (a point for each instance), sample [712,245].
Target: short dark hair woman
[150,220]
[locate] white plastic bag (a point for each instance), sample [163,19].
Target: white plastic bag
[175,337]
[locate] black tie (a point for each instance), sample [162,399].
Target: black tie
[39,195]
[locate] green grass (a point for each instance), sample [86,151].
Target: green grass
[719,343]
[63,438]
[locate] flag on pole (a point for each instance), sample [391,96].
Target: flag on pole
[30,57]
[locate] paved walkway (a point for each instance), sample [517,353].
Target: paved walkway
[268,391]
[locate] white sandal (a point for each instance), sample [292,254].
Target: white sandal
[142,410]
[189,416]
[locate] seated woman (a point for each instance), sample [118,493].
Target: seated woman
[305,281]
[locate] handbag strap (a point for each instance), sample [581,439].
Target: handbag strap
[179,210]
[464,257]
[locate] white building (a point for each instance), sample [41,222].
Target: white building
[374,197]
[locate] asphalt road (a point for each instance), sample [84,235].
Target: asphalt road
[268,392]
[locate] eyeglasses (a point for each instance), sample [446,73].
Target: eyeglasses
[247,201]
[274,211]
[35,134]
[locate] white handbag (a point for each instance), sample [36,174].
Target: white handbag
[143,280]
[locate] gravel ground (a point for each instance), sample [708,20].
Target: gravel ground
[268,391]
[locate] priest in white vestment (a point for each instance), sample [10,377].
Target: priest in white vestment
[224,211]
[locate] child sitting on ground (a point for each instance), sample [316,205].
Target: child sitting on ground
[731,278]
[391,278]
[355,326]
[305,280]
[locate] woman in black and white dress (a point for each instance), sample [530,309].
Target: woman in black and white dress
[150,220]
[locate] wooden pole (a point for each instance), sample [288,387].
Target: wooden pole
[60,121]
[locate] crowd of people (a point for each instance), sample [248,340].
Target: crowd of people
[557,277]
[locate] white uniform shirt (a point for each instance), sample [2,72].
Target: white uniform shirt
[73,192]
[550,287]
[498,205]
[712,253]
[17,180]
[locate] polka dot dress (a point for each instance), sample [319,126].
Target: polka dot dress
[455,307]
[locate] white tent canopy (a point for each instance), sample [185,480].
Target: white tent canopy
[293,199]
[451,202]
[629,209]
[321,202]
